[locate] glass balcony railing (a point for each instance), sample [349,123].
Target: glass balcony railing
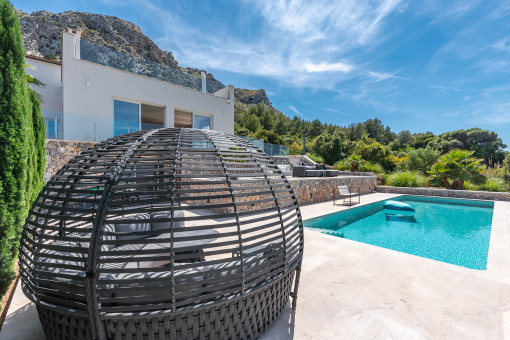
[270,149]
[122,61]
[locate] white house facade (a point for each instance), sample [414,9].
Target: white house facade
[96,93]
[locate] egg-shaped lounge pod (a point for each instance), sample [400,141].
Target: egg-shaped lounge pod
[163,234]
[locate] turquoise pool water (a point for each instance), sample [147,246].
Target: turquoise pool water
[449,230]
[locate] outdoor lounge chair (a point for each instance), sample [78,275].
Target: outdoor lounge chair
[344,193]
[107,251]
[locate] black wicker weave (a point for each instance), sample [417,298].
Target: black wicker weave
[163,234]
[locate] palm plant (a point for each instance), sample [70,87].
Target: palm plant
[352,163]
[459,166]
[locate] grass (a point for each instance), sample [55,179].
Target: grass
[405,179]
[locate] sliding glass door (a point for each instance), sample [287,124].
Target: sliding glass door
[188,119]
[126,117]
[130,117]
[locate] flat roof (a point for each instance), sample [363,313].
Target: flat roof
[56,62]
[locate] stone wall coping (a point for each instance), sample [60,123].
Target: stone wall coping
[69,141]
[482,195]
[293,179]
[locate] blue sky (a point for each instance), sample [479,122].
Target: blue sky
[417,65]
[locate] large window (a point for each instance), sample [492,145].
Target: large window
[130,117]
[126,117]
[202,122]
[187,119]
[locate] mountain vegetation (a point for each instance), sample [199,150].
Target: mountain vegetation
[461,156]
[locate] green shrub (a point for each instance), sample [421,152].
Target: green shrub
[269,137]
[384,177]
[370,167]
[506,164]
[315,158]
[14,116]
[356,163]
[470,186]
[21,139]
[405,179]
[494,184]
[419,160]
[351,163]
[342,165]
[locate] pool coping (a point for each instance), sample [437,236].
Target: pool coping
[498,257]
[438,192]
[351,289]
[375,203]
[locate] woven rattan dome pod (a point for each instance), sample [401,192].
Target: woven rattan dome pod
[163,234]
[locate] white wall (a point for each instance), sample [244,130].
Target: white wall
[83,105]
[49,74]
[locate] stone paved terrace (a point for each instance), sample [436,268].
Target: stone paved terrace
[351,290]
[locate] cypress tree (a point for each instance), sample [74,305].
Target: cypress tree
[36,139]
[15,110]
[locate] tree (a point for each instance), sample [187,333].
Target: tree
[282,125]
[486,144]
[315,129]
[37,142]
[257,110]
[269,137]
[375,152]
[405,137]
[459,166]
[421,140]
[14,123]
[252,123]
[419,160]
[375,129]
[267,119]
[356,131]
[330,148]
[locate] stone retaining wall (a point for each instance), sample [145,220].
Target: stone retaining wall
[355,173]
[307,190]
[59,152]
[480,195]
[314,190]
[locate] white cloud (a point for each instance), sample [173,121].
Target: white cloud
[502,45]
[325,67]
[295,42]
[296,111]
[380,76]
[445,88]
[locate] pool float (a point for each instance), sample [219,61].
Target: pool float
[398,208]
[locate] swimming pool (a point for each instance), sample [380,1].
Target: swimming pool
[449,230]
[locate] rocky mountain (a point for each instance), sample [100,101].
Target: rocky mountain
[42,35]
[248,98]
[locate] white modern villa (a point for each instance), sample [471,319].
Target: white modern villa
[96,93]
